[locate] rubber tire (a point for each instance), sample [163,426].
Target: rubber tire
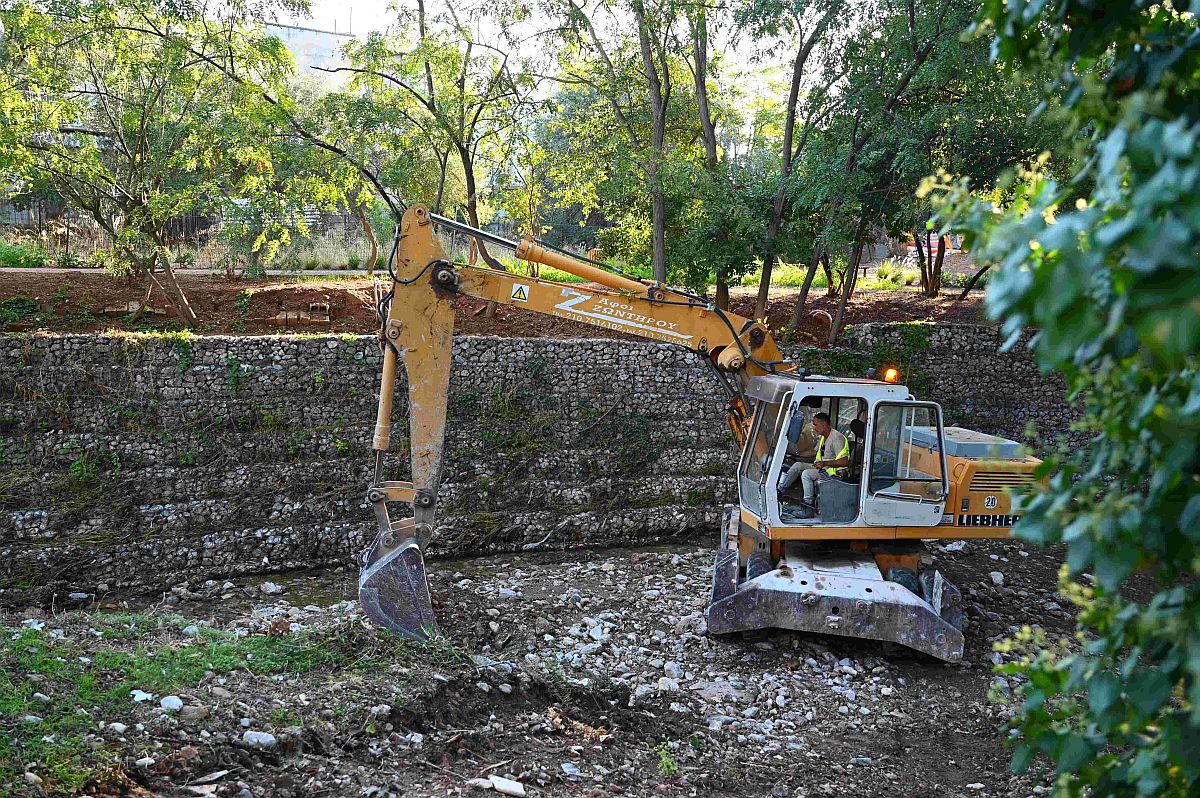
[759,563]
[906,578]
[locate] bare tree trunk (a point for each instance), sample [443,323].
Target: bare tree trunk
[468,165]
[722,299]
[182,307]
[935,276]
[850,281]
[802,300]
[370,234]
[443,160]
[708,130]
[141,311]
[659,96]
[830,289]
[788,155]
[922,265]
[971,283]
[173,290]
[779,206]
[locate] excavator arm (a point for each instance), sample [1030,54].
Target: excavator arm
[418,320]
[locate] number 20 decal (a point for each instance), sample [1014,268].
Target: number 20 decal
[989,503]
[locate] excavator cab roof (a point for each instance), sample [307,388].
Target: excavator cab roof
[773,387]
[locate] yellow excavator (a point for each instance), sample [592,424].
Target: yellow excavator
[849,560]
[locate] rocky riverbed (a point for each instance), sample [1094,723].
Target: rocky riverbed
[582,674]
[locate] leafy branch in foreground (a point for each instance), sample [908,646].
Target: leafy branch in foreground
[1105,268]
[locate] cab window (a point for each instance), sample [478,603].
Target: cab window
[906,459]
[762,444]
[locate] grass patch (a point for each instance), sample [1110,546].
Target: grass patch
[17,308]
[15,256]
[93,684]
[786,275]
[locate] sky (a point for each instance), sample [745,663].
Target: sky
[353,16]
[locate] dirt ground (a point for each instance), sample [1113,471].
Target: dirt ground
[576,674]
[76,301]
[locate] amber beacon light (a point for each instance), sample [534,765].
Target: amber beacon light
[891,375]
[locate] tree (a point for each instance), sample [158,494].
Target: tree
[1105,267]
[441,76]
[816,28]
[135,129]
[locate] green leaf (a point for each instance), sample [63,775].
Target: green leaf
[1147,690]
[1103,691]
[1073,754]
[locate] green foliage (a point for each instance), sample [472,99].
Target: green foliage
[16,256]
[787,275]
[17,308]
[242,306]
[235,374]
[516,420]
[83,688]
[137,113]
[1104,267]
[667,766]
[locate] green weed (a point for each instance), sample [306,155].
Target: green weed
[667,766]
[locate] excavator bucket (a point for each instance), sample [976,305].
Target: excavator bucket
[418,331]
[394,592]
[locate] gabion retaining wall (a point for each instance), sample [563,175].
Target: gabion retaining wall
[139,461]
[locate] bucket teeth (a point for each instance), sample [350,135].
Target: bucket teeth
[394,592]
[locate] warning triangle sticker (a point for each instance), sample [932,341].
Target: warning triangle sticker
[520,293]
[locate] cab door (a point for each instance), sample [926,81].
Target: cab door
[905,470]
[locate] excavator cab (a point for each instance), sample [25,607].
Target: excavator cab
[896,467]
[857,567]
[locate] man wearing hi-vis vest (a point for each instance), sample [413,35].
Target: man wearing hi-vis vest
[833,452]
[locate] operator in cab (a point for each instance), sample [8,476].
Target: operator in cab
[833,452]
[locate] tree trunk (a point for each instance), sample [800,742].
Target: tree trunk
[141,311]
[922,266]
[182,307]
[851,280]
[830,288]
[788,155]
[658,135]
[971,283]
[764,280]
[935,274]
[722,300]
[370,234]
[468,166]
[708,130]
[802,300]
[779,206]
[443,161]
[658,238]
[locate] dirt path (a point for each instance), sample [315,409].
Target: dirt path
[82,301]
[576,674]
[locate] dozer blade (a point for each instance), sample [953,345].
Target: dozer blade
[836,592]
[394,592]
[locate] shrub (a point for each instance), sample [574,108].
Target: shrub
[15,256]
[353,261]
[68,260]
[100,259]
[17,308]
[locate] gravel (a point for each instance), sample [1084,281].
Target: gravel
[600,680]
